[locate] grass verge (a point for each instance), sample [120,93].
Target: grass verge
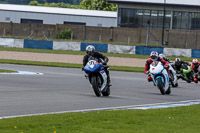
[6,71]
[170,120]
[68,65]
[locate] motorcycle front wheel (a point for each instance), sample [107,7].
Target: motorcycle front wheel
[168,91]
[107,92]
[172,80]
[160,86]
[95,86]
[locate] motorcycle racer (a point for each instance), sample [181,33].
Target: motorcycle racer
[178,63]
[154,57]
[164,57]
[183,70]
[174,78]
[195,65]
[90,52]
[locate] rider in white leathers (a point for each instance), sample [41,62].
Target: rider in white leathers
[170,67]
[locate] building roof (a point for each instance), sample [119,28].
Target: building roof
[161,2]
[56,10]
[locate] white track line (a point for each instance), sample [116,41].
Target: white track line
[23,73]
[145,106]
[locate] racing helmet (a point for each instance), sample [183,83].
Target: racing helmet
[162,56]
[178,61]
[90,49]
[154,55]
[195,62]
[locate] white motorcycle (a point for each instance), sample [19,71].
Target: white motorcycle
[173,77]
[160,77]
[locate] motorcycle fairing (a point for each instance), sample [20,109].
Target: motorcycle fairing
[104,76]
[95,68]
[161,72]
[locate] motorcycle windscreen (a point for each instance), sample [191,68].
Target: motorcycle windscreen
[89,69]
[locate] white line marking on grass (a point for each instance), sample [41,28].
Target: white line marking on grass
[145,106]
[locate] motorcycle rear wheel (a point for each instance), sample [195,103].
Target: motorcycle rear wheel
[172,79]
[95,86]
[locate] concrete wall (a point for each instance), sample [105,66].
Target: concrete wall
[175,38]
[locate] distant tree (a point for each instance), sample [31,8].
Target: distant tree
[86,4]
[25,2]
[98,5]
[102,5]
[34,3]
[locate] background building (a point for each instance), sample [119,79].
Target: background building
[53,15]
[179,14]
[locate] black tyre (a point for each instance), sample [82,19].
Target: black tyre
[172,79]
[176,85]
[107,92]
[168,91]
[190,76]
[95,86]
[161,86]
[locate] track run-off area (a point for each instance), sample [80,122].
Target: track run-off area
[59,90]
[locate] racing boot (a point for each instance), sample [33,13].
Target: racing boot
[195,79]
[108,74]
[109,81]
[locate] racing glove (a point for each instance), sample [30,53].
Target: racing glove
[166,66]
[104,63]
[147,73]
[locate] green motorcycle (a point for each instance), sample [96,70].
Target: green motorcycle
[186,73]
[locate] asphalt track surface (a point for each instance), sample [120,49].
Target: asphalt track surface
[66,89]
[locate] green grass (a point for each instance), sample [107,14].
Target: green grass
[68,65]
[6,71]
[83,53]
[170,120]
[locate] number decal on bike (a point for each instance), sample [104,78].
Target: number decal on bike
[92,62]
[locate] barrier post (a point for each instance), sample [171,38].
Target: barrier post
[147,39]
[128,40]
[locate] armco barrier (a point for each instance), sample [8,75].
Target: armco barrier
[78,46]
[142,50]
[7,42]
[61,45]
[195,53]
[38,44]
[18,43]
[98,47]
[177,52]
[75,46]
[121,49]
